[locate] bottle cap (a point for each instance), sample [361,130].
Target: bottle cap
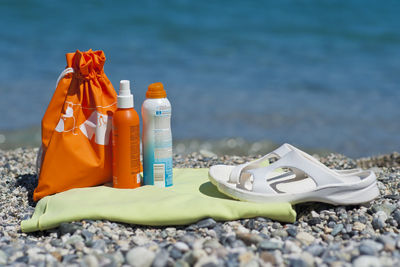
[156,90]
[125,98]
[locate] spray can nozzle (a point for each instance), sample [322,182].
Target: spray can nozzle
[125,98]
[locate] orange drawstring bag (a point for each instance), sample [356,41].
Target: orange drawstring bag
[76,146]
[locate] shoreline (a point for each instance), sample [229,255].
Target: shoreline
[323,235]
[30,138]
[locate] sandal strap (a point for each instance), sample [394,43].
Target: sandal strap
[237,171]
[322,175]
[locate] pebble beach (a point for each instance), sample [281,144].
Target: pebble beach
[323,235]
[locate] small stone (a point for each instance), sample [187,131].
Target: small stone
[140,256]
[118,258]
[74,239]
[68,228]
[314,221]
[314,214]
[3,257]
[24,259]
[366,261]
[378,223]
[396,215]
[181,263]
[207,154]
[389,243]
[245,257]
[193,256]
[291,231]
[297,263]
[57,255]
[387,208]
[269,245]
[249,239]
[305,238]
[208,261]
[56,243]
[123,245]
[161,259]
[69,258]
[268,257]
[141,240]
[316,250]
[331,224]
[280,233]
[228,240]
[357,226]
[170,231]
[87,235]
[375,246]
[99,244]
[91,261]
[366,250]
[381,214]
[175,253]
[292,247]
[338,228]
[181,246]
[206,223]
[211,243]
[307,258]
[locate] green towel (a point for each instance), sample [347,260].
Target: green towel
[191,198]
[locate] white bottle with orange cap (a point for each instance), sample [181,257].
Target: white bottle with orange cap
[157,137]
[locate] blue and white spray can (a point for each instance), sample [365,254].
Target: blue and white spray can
[157,137]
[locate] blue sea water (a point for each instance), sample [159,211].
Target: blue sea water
[318,74]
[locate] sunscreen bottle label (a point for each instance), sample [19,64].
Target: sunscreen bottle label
[159,154]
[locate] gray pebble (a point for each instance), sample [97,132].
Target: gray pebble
[91,261]
[375,246]
[297,263]
[56,243]
[378,223]
[269,245]
[280,233]
[69,258]
[87,235]
[211,243]
[140,257]
[291,231]
[396,215]
[366,261]
[99,244]
[206,223]
[175,253]
[161,259]
[366,250]
[249,239]
[316,250]
[181,246]
[181,263]
[68,228]
[338,228]
[3,257]
[305,238]
[331,224]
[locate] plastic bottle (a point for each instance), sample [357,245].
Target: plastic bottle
[126,140]
[157,137]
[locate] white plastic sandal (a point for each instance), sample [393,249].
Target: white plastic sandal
[295,177]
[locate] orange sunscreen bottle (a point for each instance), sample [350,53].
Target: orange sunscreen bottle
[125,141]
